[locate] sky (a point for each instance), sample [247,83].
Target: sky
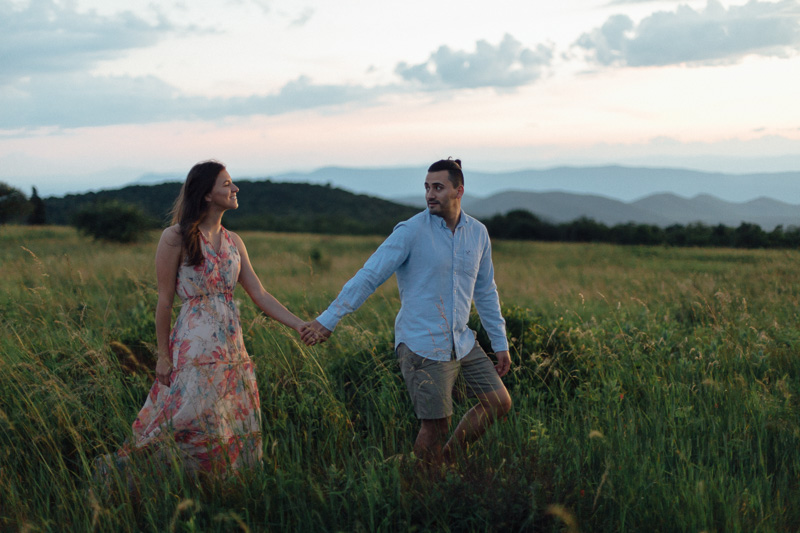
[96,93]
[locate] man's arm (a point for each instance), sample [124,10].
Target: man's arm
[487,303]
[378,268]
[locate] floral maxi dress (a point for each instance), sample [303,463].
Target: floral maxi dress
[210,414]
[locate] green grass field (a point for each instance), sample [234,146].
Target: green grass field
[655,389]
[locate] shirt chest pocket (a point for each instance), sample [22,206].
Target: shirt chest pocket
[470,263]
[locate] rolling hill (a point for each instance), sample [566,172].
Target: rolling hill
[263,205]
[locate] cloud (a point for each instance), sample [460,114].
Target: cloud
[80,100]
[711,36]
[47,36]
[49,49]
[303,18]
[263,5]
[297,95]
[75,98]
[626,2]
[504,66]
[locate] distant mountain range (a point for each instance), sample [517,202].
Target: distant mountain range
[617,182]
[658,209]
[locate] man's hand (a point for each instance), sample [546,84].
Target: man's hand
[164,370]
[312,333]
[503,363]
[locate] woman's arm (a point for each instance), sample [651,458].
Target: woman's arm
[264,300]
[168,258]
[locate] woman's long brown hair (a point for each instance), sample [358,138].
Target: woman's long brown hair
[191,207]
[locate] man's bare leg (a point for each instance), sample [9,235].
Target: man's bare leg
[476,421]
[430,440]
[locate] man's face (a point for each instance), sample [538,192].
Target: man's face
[442,198]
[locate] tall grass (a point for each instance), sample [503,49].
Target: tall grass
[654,388]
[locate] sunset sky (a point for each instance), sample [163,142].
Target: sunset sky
[93,94]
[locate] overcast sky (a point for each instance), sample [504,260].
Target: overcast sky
[95,93]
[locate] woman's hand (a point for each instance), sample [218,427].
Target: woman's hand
[313,333]
[164,370]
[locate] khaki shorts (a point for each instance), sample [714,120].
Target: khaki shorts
[430,383]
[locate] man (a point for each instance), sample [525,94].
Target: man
[442,258]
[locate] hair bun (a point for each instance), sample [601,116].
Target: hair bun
[458,162]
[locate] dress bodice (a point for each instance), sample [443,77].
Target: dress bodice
[217,275]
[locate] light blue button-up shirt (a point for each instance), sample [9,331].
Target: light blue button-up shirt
[439,274]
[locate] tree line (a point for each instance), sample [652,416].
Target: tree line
[521,224]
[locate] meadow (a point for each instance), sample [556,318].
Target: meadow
[654,388]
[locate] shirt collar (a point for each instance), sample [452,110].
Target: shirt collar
[463,221]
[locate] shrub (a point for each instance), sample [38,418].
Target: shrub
[13,204]
[112,221]
[546,351]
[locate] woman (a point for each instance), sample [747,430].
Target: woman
[204,407]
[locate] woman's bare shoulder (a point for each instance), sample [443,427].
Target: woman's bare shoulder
[235,237]
[172,235]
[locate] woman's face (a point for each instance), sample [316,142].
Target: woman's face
[223,195]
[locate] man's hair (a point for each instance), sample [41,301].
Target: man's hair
[453,168]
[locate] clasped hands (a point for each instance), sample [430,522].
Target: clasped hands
[313,332]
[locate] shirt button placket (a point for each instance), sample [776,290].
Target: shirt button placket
[453,264]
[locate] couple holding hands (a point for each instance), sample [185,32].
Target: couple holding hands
[205,401]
